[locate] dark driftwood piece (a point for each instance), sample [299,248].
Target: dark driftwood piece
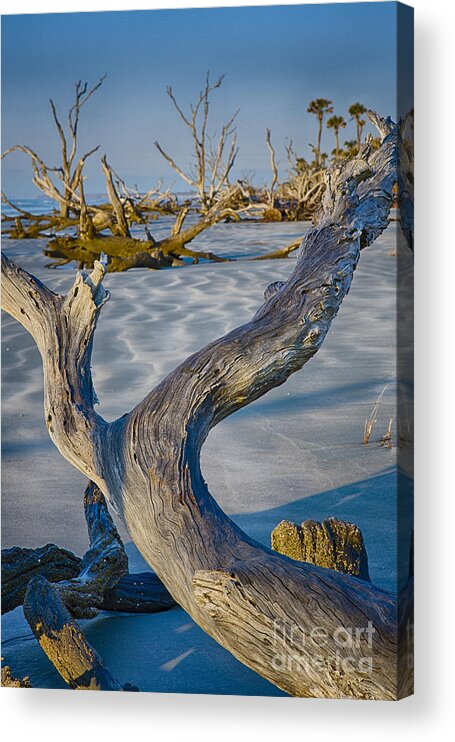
[142,592]
[83,586]
[20,565]
[100,584]
[50,609]
[63,641]
[125,252]
[258,604]
[103,564]
[333,544]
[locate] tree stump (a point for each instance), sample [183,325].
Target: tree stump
[333,544]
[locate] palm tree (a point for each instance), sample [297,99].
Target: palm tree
[336,123]
[356,111]
[350,149]
[320,106]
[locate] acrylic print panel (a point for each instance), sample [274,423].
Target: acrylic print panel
[198,525]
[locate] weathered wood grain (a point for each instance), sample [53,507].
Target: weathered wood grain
[311,631]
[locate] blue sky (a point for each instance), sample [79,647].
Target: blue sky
[275,58]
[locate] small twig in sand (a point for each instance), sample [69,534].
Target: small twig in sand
[370,421]
[386,439]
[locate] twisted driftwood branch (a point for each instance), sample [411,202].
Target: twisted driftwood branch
[258,604]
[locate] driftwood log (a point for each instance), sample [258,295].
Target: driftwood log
[80,588]
[141,592]
[63,641]
[260,605]
[20,565]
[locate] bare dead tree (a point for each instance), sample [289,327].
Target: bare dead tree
[69,172]
[148,461]
[123,250]
[273,166]
[215,156]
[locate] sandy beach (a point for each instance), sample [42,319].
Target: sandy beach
[297,453]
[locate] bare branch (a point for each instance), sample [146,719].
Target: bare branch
[273,166]
[174,166]
[210,172]
[117,205]
[61,135]
[82,95]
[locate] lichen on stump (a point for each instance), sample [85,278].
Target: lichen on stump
[333,544]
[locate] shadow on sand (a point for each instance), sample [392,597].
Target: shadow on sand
[168,652]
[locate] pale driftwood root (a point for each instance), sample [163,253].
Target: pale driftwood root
[260,605]
[333,544]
